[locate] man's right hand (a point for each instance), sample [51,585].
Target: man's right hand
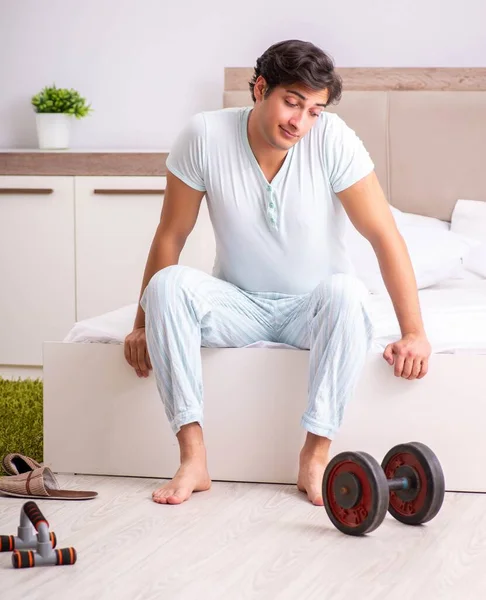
[136,352]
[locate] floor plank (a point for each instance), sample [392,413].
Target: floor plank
[243,540]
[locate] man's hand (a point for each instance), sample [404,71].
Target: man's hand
[136,352]
[410,356]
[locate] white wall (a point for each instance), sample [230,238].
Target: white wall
[146,65]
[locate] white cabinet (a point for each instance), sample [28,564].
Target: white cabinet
[116,218]
[72,248]
[37,289]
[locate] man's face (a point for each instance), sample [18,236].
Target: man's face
[288,113]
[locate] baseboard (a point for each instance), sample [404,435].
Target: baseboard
[15,372]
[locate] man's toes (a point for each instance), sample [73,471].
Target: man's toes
[161,495]
[160,499]
[175,499]
[315,495]
[178,496]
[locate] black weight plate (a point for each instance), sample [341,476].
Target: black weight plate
[431,491]
[372,504]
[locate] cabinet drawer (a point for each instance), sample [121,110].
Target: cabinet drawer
[116,219]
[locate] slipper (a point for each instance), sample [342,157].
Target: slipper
[15,463]
[39,483]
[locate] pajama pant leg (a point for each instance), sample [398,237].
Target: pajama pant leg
[185,309]
[332,321]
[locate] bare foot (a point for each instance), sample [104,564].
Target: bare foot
[192,476]
[311,472]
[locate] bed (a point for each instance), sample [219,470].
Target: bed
[99,418]
[454,311]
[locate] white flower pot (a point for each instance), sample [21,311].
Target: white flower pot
[53,130]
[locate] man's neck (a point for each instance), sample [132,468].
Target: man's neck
[269,158]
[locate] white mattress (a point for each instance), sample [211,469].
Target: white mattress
[454,313]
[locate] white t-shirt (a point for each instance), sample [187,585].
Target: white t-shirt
[284,236]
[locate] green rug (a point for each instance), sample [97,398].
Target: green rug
[21,418]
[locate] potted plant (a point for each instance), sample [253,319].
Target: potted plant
[55,109]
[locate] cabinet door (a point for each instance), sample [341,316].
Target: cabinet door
[116,219]
[37,290]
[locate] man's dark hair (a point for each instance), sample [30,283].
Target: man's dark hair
[295,61]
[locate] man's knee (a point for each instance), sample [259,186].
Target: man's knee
[346,289]
[167,284]
[170,276]
[349,287]
[345,299]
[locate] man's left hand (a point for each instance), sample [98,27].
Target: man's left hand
[410,355]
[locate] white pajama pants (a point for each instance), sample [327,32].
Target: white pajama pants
[186,309]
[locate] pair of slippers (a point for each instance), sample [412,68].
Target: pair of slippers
[29,479]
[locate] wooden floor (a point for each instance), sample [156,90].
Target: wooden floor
[243,540]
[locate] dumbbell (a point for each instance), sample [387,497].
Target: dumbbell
[358,491]
[44,543]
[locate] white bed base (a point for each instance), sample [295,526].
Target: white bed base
[100,418]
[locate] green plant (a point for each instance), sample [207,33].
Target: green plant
[61,100]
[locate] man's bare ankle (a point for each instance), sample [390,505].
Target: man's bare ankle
[193,455]
[315,446]
[191,443]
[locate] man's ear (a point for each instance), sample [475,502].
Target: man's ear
[264,87]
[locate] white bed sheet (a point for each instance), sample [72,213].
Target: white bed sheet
[454,314]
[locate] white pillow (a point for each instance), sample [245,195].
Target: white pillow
[469,219]
[406,218]
[436,253]
[475,261]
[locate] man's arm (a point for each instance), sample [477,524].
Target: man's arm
[368,210]
[178,217]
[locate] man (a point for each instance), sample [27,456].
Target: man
[279,179]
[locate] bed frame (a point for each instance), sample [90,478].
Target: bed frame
[421,127]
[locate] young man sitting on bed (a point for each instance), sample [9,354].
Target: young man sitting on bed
[279,179]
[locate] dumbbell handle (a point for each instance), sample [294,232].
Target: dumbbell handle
[399,483]
[9,543]
[24,559]
[34,514]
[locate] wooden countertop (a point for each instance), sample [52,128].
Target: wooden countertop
[72,162]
